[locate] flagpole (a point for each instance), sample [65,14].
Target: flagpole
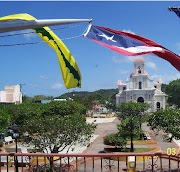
[14,25]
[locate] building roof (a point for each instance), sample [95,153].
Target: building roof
[139,59]
[158,82]
[120,83]
[97,107]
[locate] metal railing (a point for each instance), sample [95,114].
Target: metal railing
[89,162]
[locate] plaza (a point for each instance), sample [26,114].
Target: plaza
[105,126]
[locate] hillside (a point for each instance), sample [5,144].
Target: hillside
[83,94]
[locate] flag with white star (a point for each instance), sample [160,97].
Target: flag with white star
[130,44]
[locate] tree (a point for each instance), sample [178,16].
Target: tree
[23,112]
[173,91]
[54,126]
[52,134]
[131,114]
[42,97]
[168,121]
[133,109]
[91,101]
[111,103]
[5,119]
[63,108]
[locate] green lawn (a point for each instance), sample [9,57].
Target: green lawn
[127,150]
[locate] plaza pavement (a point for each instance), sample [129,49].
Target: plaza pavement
[106,126]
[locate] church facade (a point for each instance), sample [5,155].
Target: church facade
[139,87]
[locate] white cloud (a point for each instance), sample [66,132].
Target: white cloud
[168,77]
[56,86]
[123,59]
[43,77]
[150,64]
[128,31]
[123,72]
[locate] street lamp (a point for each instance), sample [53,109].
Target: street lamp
[131,125]
[16,135]
[1,141]
[140,125]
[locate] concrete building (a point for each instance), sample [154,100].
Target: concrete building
[11,94]
[139,87]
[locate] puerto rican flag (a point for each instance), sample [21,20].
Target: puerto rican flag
[176,10]
[130,44]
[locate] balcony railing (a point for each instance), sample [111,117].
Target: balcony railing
[89,162]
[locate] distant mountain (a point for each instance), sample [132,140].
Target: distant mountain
[83,94]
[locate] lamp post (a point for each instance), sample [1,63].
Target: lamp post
[1,141]
[132,146]
[16,135]
[140,126]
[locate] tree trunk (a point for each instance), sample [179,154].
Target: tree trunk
[55,150]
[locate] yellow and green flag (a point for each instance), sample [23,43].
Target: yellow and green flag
[69,67]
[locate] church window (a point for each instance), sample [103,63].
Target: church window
[131,97]
[140,85]
[149,96]
[139,69]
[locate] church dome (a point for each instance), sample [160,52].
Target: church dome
[139,59]
[135,72]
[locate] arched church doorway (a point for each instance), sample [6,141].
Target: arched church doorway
[158,105]
[140,99]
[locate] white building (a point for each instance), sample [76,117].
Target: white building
[141,88]
[11,94]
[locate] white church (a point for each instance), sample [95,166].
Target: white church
[141,88]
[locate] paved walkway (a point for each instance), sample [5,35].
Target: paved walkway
[97,146]
[159,138]
[104,129]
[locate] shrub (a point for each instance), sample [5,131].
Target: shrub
[115,140]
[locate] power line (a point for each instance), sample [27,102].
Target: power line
[30,43]
[24,33]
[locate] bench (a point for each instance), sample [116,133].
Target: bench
[103,116]
[33,150]
[147,136]
[95,115]
[4,160]
[8,140]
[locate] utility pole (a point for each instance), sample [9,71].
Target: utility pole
[21,91]
[21,86]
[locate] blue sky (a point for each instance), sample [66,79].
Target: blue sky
[37,65]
